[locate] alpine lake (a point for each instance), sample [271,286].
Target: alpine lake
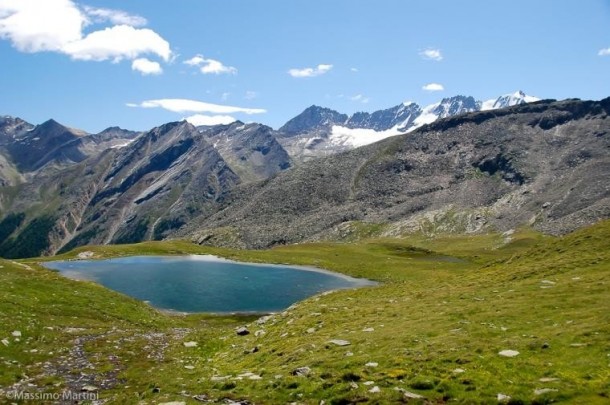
[198,283]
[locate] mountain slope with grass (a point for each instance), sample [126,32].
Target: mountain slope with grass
[433,331]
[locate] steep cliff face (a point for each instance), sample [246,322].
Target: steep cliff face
[543,164]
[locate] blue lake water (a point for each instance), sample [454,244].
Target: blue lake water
[206,283]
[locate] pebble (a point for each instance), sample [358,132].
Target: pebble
[301,371]
[375,389]
[259,333]
[368,330]
[339,342]
[459,371]
[311,330]
[89,388]
[411,395]
[503,398]
[16,333]
[190,344]
[509,353]
[368,382]
[5,342]
[371,364]
[548,379]
[189,367]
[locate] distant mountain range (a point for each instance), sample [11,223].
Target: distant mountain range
[320,131]
[457,165]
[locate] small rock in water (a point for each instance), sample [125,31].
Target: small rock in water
[375,389]
[301,371]
[509,353]
[503,398]
[16,333]
[339,342]
[190,344]
[371,364]
[542,391]
[242,331]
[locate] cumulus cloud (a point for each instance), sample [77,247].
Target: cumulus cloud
[199,119]
[117,17]
[310,72]
[210,66]
[433,87]
[146,67]
[360,98]
[432,54]
[117,43]
[355,70]
[58,26]
[604,52]
[36,26]
[180,105]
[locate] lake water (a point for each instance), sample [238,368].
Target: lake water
[206,283]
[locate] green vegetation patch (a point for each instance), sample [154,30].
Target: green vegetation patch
[465,319]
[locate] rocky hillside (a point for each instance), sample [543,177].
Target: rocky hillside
[544,164]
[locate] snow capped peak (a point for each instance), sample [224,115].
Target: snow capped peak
[507,100]
[407,103]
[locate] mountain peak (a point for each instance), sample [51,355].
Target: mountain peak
[313,117]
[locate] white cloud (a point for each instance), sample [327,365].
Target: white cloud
[354,69]
[432,54]
[146,67]
[58,26]
[250,95]
[210,66]
[604,52]
[194,61]
[225,96]
[117,43]
[360,98]
[199,119]
[310,72]
[180,105]
[117,17]
[433,87]
[36,26]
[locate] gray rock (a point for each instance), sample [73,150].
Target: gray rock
[339,342]
[301,371]
[242,331]
[508,353]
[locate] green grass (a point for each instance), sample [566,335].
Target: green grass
[445,303]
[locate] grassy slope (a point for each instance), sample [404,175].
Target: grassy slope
[546,298]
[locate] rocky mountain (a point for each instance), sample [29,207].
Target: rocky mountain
[320,131]
[141,186]
[251,150]
[544,164]
[30,148]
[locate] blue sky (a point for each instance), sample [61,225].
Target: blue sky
[94,64]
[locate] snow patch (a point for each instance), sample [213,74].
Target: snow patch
[343,136]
